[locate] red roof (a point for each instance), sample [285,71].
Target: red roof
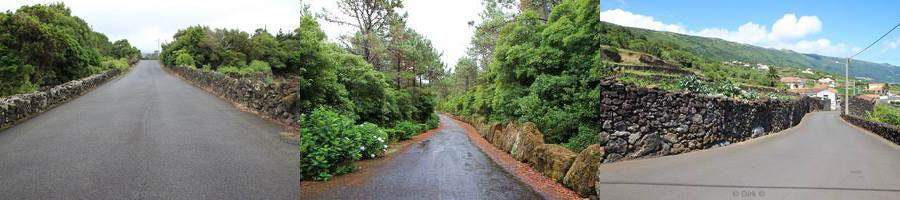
[791,79]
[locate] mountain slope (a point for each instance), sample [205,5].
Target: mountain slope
[718,49]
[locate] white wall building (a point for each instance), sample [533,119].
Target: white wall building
[808,71]
[827,81]
[824,93]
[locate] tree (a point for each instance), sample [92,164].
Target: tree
[266,48]
[466,71]
[541,7]
[773,76]
[44,45]
[370,18]
[123,49]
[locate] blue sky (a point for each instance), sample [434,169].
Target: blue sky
[834,28]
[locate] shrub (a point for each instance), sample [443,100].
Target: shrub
[434,121]
[229,70]
[395,134]
[184,59]
[257,66]
[885,113]
[729,89]
[111,63]
[372,138]
[586,136]
[407,129]
[206,67]
[329,143]
[693,84]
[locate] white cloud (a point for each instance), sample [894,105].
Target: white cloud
[789,27]
[788,32]
[748,33]
[625,18]
[892,44]
[820,46]
[145,22]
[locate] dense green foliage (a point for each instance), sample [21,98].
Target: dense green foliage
[544,72]
[44,45]
[546,68]
[331,142]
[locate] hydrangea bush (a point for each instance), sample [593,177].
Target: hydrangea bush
[330,142]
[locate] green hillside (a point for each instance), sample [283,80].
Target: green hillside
[718,49]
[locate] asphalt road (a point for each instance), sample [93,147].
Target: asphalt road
[822,158]
[446,166]
[147,135]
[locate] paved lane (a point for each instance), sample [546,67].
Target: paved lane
[822,158]
[446,166]
[148,135]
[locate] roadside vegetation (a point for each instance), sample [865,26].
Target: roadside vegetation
[542,61]
[887,113]
[44,45]
[354,99]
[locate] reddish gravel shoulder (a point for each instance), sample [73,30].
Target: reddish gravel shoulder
[540,183]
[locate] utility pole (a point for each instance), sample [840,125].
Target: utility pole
[847,87]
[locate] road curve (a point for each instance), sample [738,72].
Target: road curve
[821,158]
[445,166]
[147,135]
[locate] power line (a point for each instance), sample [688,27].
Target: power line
[847,71]
[876,41]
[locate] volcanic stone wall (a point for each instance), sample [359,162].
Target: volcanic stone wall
[19,107]
[271,100]
[859,109]
[640,123]
[860,106]
[887,131]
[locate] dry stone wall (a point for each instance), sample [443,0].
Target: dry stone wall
[860,106]
[642,122]
[274,101]
[16,108]
[887,131]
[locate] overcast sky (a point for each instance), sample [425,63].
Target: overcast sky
[144,22]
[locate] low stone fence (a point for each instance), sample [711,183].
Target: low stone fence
[16,108]
[887,131]
[860,106]
[271,100]
[641,123]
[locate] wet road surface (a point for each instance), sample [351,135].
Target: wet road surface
[147,135]
[822,158]
[446,166]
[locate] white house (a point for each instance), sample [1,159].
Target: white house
[762,67]
[808,71]
[794,82]
[827,81]
[825,93]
